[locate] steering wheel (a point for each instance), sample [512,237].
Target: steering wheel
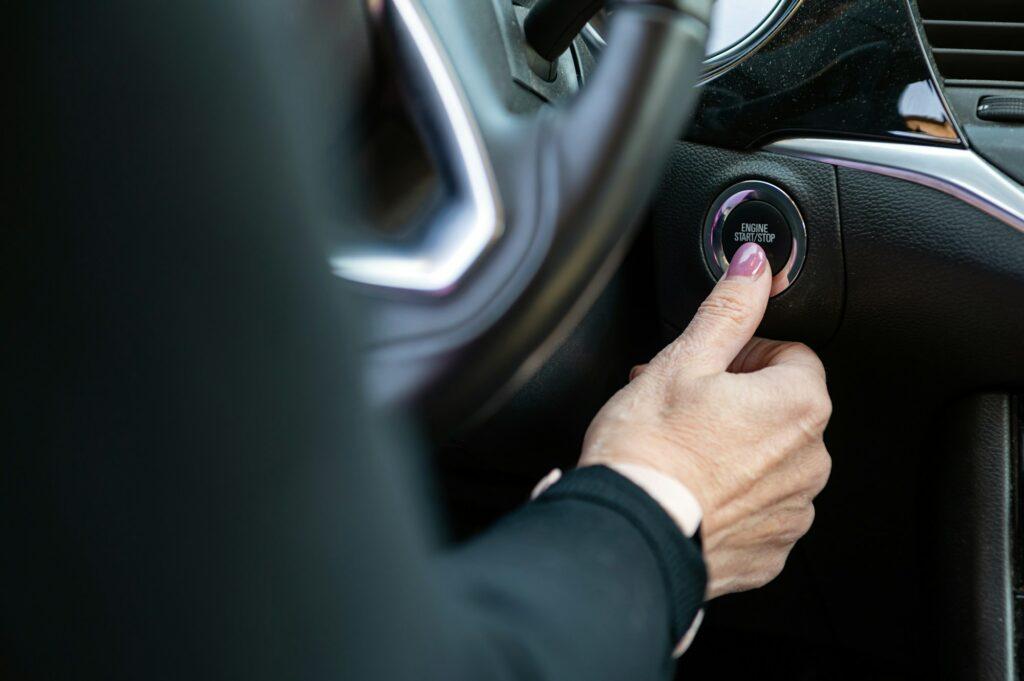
[539,206]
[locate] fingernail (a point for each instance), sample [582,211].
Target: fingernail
[749,261]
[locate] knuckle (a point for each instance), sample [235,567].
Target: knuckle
[809,356]
[776,567]
[824,404]
[799,348]
[805,521]
[772,567]
[796,526]
[726,305]
[817,407]
[824,471]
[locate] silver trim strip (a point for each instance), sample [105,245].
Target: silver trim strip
[958,172]
[460,231]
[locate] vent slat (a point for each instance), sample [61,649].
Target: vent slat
[974,34]
[979,52]
[994,65]
[974,82]
[972,10]
[976,41]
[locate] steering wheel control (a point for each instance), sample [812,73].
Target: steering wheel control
[758,212]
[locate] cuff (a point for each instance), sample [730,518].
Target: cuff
[679,558]
[675,497]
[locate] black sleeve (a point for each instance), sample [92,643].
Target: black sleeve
[592,580]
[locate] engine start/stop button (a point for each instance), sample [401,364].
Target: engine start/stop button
[758,212]
[760,223]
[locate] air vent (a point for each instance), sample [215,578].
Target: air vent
[976,42]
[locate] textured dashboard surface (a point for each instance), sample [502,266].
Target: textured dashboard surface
[933,312]
[851,67]
[933,283]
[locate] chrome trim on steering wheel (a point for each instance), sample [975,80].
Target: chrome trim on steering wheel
[719,62]
[459,232]
[958,172]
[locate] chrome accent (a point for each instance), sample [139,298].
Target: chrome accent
[955,171]
[717,63]
[755,190]
[593,37]
[720,62]
[455,237]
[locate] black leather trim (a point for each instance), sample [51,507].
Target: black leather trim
[971,543]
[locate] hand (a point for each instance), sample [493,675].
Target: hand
[738,420]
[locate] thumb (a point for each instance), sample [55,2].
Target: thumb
[729,316]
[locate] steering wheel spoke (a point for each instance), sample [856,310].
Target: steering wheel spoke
[538,206]
[454,235]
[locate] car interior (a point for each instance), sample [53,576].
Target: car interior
[869,125]
[530,197]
